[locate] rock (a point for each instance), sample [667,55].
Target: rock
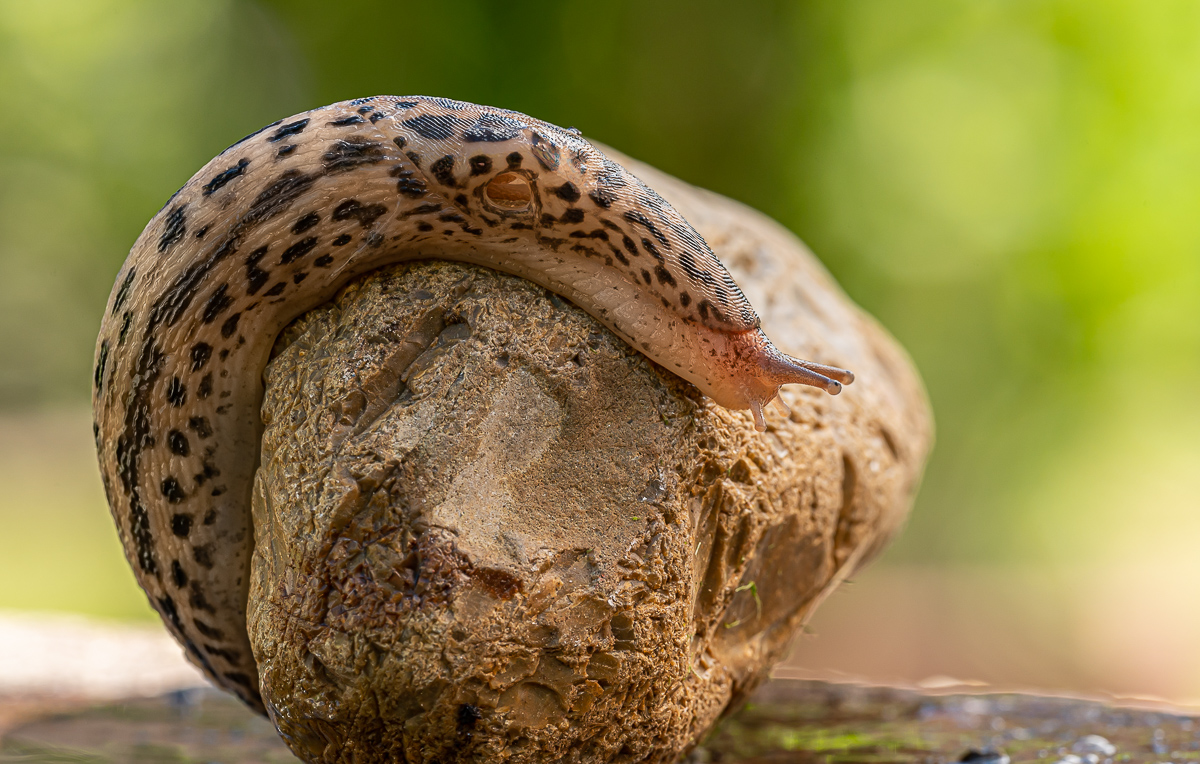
[487,529]
[1094,744]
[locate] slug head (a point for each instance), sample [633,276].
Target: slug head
[757,369]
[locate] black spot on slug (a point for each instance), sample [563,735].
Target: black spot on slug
[256,277]
[323,261]
[217,303]
[178,443]
[634,216]
[567,192]
[424,209]
[230,325]
[204,389]
[514,159]
[630,247]
[413,188]
[176,392]
[126,322]
[232,656]
[492,128]
[299,249]
[352,152]
[178,575]
[203,556]
[181,525]
[201,352]
[239,678]
[275,290]
[207,630]
[365,214]
[174,227]
[611,175]
[209,472]
[122,292]
[166,606]
[222,179]
[480,164]
[292,128]
[685,299]
[101,362]
[598,233]
[306,222]
[285,149]
[436,127]
[602,197]
[201,427]
[343,239]
[353,119]
[277,197]
[573,215]
[172,490]
[197,599]
[687,259]
[664,276]
[443,170]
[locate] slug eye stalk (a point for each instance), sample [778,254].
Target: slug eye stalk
[777,369]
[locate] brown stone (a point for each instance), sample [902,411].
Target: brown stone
[488,530]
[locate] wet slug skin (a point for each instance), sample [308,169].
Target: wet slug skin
[275,224]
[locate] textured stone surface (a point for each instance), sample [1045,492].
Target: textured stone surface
[489,530]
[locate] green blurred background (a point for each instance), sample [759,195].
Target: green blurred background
[1010,186]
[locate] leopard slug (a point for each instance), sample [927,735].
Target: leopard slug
[275,224]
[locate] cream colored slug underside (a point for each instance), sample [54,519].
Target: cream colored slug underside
[278,222]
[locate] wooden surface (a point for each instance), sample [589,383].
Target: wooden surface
[786,721]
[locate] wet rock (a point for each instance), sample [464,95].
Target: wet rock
[1096,744]
[973,756]
[487,529]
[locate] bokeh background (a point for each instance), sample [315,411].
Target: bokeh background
[1011,186]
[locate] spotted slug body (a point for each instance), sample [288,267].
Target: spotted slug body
[274,225]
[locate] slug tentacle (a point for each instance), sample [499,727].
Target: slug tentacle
[281,220]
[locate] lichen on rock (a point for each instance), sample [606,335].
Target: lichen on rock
[487,529]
